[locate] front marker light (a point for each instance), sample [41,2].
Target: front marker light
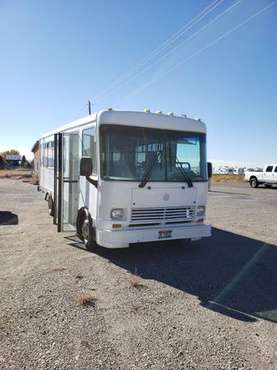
[201,210]
[117,213]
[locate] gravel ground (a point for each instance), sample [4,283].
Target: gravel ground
[208,305]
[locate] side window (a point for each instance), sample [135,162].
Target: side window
[48,160]
[275,169]
[89,146]
[51,154]
[45,154]
[269,168]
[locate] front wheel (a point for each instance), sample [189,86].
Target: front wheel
[253,182]
[85,230]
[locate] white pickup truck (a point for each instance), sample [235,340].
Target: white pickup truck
[267,177]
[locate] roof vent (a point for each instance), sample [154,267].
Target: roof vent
[159,112]
[170,113]
[184,115]
[146,110]
[109,109]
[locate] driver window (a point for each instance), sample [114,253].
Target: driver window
[188,155]
[89,146]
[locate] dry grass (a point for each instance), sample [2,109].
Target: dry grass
[135,281]
[35,179]
[18,172]
[79,277]
[87,298]
[227,178]
[58,269]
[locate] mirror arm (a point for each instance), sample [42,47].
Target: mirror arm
[91,181]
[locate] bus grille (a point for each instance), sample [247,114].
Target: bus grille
[162,215]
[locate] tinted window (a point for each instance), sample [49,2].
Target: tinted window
[48,154]
[269,168]
[127,153]
[276,169]
[89,145]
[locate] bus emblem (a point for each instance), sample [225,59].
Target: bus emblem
[166,197]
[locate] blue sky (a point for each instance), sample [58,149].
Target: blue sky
[57,54]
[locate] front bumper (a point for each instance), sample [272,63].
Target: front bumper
[123,237]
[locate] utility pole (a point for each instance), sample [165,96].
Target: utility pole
[89,107]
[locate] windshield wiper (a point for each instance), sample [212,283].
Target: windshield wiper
[184,174]
[153,162]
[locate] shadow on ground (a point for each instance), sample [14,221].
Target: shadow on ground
[229,273]
[8,218]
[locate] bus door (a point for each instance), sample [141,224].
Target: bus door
[66,180]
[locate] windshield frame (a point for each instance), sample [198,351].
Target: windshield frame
[106,178]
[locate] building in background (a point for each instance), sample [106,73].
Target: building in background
[10,160]
[227,170]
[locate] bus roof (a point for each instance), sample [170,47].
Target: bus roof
[133,118]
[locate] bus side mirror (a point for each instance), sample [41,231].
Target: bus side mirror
[85,167]
[210,169]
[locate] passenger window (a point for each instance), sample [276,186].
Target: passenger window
[50,154]
[89,145]
[269,168]
[275,169]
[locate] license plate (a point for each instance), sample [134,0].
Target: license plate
[163,234]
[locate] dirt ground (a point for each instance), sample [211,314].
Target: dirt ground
[208,305]
[17,172]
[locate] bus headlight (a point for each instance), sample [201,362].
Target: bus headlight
[117,213]
[201,210]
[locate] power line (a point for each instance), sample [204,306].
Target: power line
[80,111]
[209,45]
[171,40]
[190,37]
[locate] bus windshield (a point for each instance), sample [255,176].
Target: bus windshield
[126,152]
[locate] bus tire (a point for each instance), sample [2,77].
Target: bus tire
[51,207]
[253,182]
[85,229]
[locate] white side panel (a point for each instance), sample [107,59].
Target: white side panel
[93,201]
[88,196]
[49,179]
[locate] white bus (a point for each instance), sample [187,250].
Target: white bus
[121,177]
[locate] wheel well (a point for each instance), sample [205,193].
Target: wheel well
[48,195]
[83,213]
[252,178]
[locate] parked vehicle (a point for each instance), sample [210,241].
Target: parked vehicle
[267,177]
[122,177]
